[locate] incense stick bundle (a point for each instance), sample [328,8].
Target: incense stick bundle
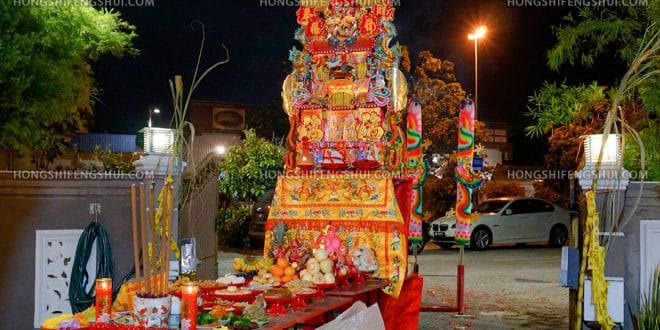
[165,211]
[145,246]
[136,247]
[152,223]
[169,231]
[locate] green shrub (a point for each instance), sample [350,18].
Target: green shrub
[632,157]
[232,225]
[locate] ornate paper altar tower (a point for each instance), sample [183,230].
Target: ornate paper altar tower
[346,93]
[349,164]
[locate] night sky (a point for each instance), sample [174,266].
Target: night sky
[511,58]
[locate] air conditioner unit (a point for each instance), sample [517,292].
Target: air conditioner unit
[228,119]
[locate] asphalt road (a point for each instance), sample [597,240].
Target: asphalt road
[507,287]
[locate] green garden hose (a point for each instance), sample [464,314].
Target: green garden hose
[78,297]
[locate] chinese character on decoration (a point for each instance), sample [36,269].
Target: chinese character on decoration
[369,26]
[315,28]
[384,12]
[305,14]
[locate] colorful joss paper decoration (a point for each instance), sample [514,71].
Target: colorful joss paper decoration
[416,170]
[466,178]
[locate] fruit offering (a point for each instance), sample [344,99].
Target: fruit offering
[264,279]
[318,269]
[251,264]
[283,271]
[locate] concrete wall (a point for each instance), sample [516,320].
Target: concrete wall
[28,205]
[623,258]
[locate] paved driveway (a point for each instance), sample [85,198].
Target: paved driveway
[507,287]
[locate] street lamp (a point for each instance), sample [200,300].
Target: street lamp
[156,111]
[479,33]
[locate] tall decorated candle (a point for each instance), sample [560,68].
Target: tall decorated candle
[189,306]
[103,300]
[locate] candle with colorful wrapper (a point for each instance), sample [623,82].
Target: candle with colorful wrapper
[189,306]
[103,300]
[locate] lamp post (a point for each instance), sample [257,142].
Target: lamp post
[479,33]
[151,133]
[156,111]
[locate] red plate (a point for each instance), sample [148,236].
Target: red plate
[306,295]
[233,296]
[213,288]
[277,299]
[324,286]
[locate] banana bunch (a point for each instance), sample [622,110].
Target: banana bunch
[251,264]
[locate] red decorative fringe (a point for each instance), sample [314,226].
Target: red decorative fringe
[371,225]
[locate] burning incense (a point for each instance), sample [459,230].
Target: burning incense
[145,246]
[136,247]
[165,211]
[152,223]
[169,231]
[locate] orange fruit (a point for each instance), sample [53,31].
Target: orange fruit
[289,271]
[282,262]
[277,270]
[287,278]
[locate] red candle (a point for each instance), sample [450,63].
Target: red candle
[103,300]
[189,306]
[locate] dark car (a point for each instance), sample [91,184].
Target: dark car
[256,231]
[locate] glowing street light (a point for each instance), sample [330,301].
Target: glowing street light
[479,33]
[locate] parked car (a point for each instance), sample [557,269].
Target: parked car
[260,210]
[508,220]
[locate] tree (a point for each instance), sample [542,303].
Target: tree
[269,121]
[601,31]
[249,170]
[46,79]
[494,189]
[441,95]
[440,192]
[565,112]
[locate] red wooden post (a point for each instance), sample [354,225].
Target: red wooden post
[460,284]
